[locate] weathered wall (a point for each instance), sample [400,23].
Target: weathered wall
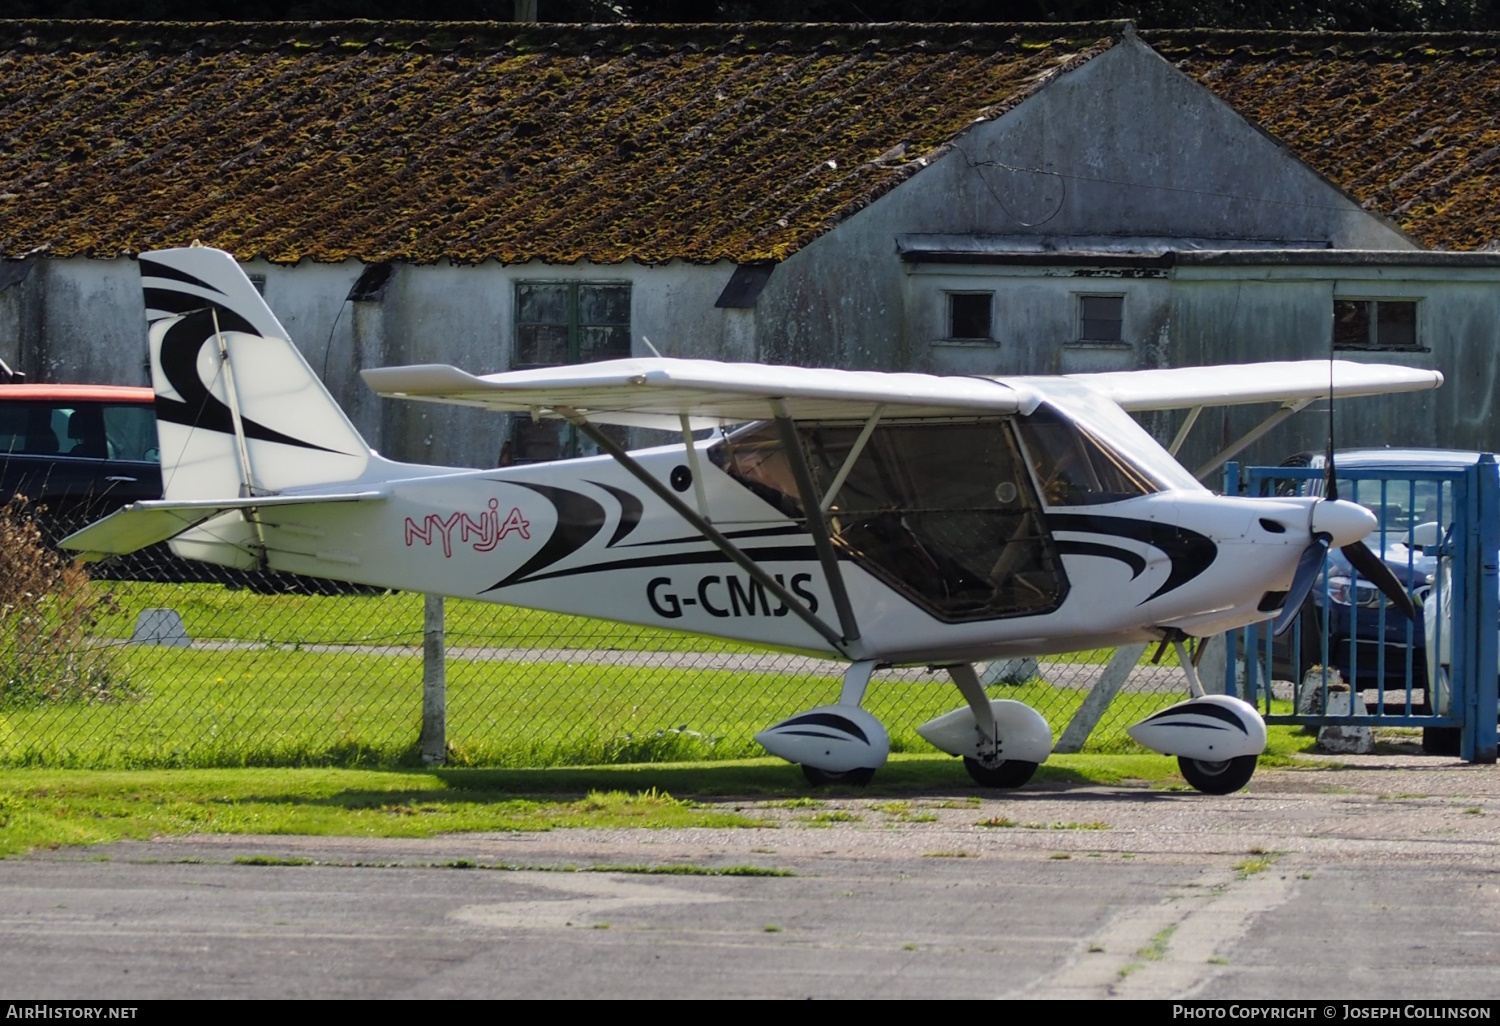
[1035,315]
[1246,314]
[1124,146]
[82,320]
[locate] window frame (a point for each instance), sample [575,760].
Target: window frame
[1372,331]
[574,324]
[1079,319]
[949,295]
[570,442]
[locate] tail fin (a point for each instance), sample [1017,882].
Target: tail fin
[239,412]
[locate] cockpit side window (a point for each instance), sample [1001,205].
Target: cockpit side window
[1072,467]
[944,512]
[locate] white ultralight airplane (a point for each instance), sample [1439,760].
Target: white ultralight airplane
[882,519]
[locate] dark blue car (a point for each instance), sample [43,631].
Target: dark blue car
[1368,641]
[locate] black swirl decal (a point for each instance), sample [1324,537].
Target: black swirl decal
[1134,560]
[1191,553]
[630,512]
[579,518]
[198,407]
[152,269]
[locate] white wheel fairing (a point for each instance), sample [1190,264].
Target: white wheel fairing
[1024,733]
[832,738]
[1213,728]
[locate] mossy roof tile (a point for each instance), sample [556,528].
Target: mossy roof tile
[1409,125]
[471,142]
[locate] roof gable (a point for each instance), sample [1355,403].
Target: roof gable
[470,142]
[1408,124]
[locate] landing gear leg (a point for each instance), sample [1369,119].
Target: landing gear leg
[988,768]
[1190,670]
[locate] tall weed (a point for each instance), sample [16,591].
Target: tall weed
[47,606]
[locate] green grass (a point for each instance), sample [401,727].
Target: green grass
[212,611]
[47,807]
[50,808]
[286,701]
[265,707]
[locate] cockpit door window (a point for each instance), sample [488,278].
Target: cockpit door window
[946,513]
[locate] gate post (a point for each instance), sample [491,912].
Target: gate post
[1478,740]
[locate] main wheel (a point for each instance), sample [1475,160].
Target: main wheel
[1005,773]
[827,778]
[1211,777]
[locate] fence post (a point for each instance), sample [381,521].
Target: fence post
[1116,673]
[434,741]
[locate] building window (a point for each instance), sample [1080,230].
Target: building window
[567,322]
[561,323]
[259,281]
[969,315]
[1375,324]
[1101,318]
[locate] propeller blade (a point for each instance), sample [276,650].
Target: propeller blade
[1308,568]
[1374,570]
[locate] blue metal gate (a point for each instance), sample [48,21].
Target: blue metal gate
[1439,673]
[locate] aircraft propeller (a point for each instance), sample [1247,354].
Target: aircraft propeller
[1331,517]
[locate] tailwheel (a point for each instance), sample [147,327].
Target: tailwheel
[1223,777]
[1000,772]
[829,778]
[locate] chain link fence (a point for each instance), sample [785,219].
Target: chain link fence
[211,667]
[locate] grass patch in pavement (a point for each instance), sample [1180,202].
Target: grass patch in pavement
[49,808]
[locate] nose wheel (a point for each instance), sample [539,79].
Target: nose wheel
[999,772]
[830,778]
[1223,777]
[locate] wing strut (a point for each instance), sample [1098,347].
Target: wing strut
[692,455]
[703,527]
[816,525]
[858,447]
[1182,432]
[1254,434]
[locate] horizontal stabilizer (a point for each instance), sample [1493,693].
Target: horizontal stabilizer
[145,523]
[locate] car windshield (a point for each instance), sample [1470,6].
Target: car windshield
[1399,505]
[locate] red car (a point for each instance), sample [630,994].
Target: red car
[80,451]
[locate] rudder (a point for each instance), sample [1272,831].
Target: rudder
[233,394]
[238,410]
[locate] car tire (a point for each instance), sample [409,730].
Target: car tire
[1441,740]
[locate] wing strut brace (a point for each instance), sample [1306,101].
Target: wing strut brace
[1252,435]
[703,527]
[816,525]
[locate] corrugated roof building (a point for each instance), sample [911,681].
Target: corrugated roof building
[962,198]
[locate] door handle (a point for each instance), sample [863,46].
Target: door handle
[119,478]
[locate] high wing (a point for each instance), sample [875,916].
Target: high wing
[1294,384]
[657,392]
[1182,388]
